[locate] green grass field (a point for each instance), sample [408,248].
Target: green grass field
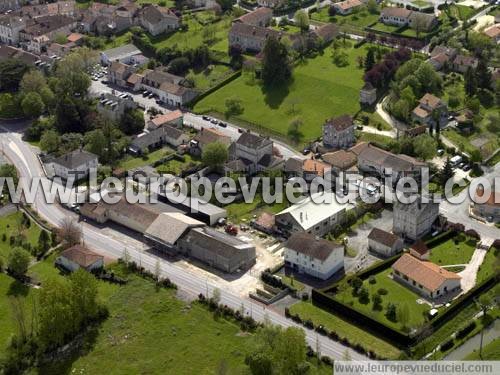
[175,166]
[448,253]
[306,310]
[487,268]
[491,352]
[130,162]
[397,294]
[242,211]
[360,19]
[319,90]
[210,77]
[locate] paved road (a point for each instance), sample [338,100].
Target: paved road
[190,119]
[25,160]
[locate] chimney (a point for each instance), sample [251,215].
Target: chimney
[301,217]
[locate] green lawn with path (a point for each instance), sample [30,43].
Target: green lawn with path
[397,294]
[130,162]
[343,328]
[449,253]
[318,91]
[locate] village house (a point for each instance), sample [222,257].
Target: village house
[119,54]
[488,204]
[260,17]
[307,254]
[404,17]
[273,4]
[429,109]
[77,257]
[118,73]
[347,7]
[311,217]
[174,118]
[415,131]
[339,132]
[10,28]
[157,20]
[341,161]
[250,38]
[76,164]
[442,56]
[376,161]
[420,250]
[124,15]
[39,33]
[113,107]
[461,63]
[384,243]
[158,137]
[368,94]
[426,278]
[252,153]
[10,5]
[414,220]
[493,32]
[205,137]
[168,87]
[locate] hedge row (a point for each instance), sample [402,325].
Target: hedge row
[214,88]
[441,238]
[308,323]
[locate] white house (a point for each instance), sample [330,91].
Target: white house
[384,243]
[75,164]
[157,20]
[347,6]
[426,278]
[77,257]
[305,253]
[311,217]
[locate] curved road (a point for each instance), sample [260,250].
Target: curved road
[27,164]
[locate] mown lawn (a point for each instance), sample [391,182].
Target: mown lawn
[332,322]
[318,91]
[491,352]
[130,162]
[487,268]
[361,19]
[175,166]
[448,253]
[379,139]
[209,77]
[397,294]
[242,211]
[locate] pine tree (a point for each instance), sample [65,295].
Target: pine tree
[470,82]
[446,173]
[370,60]
[275,65]
[483,74]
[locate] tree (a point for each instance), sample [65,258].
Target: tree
[369,60]
[332,11]
[132,121]
[43,241]
[377,301]
[356,284]
[364,296]
[372,6]
[470,83]
[179,65]
[453,101]
[294,131]
[474,105]
[484,302]
[419,23]
[301,20]
[425,146]
[69,232]
[215,154]
[83,286]
[446,173]
[32,81]
[32,105]
[234,107]
[49,142]
[19,260]
[11,73]
[226,5]
[483,74]
[391,312]
[276,68]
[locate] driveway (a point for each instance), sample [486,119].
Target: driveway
[359,241]
[469,274]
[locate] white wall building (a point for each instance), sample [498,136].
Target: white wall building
[75,164]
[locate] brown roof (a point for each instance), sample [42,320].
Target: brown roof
[327,32]
[417,130]
[430,100]
[419,247]
[348,4]
[315,166]
[258,15]
[81,256]
[312,246]
[74,37]
[359,147]
[427,274]
[341,159]
[395,12]
[493,31]
[465,60]
[253,31]
[340,123]
[208,135]
[493,198]
[421,112]
[156,14]
[383,237]
[166,118]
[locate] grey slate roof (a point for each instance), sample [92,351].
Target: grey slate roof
[383,237]
[251,140]
[121,52]
[309,245]
[74,159]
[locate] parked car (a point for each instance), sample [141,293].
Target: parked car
[240,130]
[440,152]
[206,118]
[305,151]
[145,93]
[151,96]
[214,121]
[466,168]
[223,124]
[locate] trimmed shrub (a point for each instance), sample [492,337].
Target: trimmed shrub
[466,330]
[447,345]
[382,291]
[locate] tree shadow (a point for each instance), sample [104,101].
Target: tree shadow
[18,289]
[275,95]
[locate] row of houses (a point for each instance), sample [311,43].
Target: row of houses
[443,56]
[123,72]
[186,235]
[404,17]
